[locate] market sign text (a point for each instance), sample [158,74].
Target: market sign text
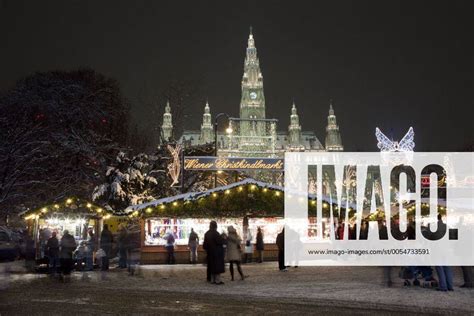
[233,163]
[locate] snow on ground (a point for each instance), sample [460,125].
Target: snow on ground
[341,288]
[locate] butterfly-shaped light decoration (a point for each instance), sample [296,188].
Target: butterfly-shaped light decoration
[407,144]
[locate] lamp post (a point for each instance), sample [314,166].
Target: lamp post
[229,131]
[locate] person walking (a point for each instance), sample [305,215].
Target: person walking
[170,240]
[30,252]
[234,251]
[445,278]
[91,247]
[248,250]
[52,251]
[467,276]
[106,241]
[259,245]
[193,243]
[122,247]
[213,244]
[67,246]
[445,273]
[280,241]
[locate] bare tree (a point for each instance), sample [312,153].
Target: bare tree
[59,130]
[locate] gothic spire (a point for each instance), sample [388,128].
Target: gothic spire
[252,102]
[333,136]
[167,125]
[207,133]
[251,41]
[294,130]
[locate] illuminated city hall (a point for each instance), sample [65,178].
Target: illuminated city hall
[253,134]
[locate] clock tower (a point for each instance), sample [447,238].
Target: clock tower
[252,102]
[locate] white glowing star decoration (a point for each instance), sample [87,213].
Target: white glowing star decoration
[407,144]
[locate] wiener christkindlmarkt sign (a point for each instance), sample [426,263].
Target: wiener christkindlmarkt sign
[233,163]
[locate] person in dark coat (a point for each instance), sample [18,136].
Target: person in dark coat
[122,247]
[68,245]
[280,241]
[193,244]
[213,244]
[170,241]
[52,251]
[91,246]
[106,241]
[259,245]
[30,252]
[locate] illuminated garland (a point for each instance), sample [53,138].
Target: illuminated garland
[70,205]
[248,199]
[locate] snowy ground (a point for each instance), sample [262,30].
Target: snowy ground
[182,289]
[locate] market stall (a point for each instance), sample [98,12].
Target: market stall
[256,203]
[73,214]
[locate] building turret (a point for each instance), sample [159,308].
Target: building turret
[294,130]
[333,137]
[167,126]
[207,133]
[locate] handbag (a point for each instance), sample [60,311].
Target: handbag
[100,253]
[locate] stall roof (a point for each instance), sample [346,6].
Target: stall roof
[73,206]
[195,195]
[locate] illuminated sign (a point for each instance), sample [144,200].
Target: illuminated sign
[233,163]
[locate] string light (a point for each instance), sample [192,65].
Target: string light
[175,203]
[227,191]
[56,206]
[89,205]
[68,201]
[277,193]
[149,210]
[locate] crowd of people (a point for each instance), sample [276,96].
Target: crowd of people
[65,254]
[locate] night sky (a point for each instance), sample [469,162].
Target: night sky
[384,63]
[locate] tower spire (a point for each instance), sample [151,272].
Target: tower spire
[294,130]
[333,136]
[207,132]
[167,125]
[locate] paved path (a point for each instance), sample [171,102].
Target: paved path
[182,289]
